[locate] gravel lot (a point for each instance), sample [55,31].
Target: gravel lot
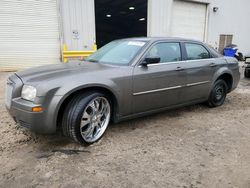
[190,147]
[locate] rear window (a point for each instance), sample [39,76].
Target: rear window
[214,52]
[196,51]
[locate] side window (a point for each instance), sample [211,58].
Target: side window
[196,51]
[168,52]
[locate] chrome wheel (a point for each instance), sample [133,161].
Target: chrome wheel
[95,119]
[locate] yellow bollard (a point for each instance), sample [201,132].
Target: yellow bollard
[74,54]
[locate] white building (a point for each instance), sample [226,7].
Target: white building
[32,32]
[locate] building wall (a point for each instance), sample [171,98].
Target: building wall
[232,17]
[29,34]
[78,20]
[159,17]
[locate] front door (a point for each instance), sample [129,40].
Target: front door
[159,85]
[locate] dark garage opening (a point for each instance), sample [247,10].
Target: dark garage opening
[120,19]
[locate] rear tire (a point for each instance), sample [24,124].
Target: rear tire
[86,117]
[218,94]
[247,74]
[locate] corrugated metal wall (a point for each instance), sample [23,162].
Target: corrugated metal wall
[159,17]
[29,33]
[78,18]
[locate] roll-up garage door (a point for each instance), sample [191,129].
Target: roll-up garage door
[189,20]
[29,34]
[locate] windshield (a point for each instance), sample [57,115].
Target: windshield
[119,52]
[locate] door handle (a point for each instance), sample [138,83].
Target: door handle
[179,69]
[212,65]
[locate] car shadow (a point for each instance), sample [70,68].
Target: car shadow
[168,114]
[58,142]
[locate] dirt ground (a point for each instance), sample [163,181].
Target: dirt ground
[190,147]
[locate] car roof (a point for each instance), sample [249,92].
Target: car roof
[153,39]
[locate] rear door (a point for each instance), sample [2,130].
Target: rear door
[200,67]
[159,85]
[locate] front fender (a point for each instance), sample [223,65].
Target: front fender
[106,84]
[67,91]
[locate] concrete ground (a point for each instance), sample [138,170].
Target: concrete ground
[194,146]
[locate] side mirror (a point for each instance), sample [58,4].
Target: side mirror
[151,60]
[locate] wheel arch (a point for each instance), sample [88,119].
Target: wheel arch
[228,78]
[64,101]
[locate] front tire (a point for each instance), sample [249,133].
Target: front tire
[86,117]
[218,94]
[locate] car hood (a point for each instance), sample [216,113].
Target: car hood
[56,71]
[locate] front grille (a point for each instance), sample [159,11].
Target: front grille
[10,82]
[13,89]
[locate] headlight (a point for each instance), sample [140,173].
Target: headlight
[28,93]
